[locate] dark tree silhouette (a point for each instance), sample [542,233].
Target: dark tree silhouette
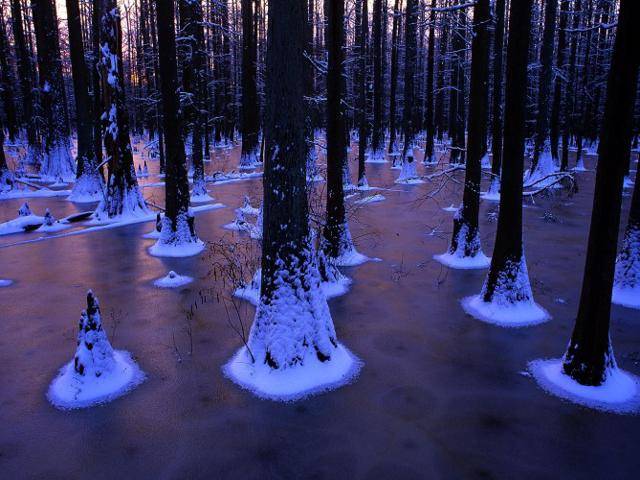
[377,133]
[6,84]
[250,155]
[496,125]
[429,156]
[393,88]
[363,130]
[589,357]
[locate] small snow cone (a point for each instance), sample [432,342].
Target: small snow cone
[24,210]
[98,373]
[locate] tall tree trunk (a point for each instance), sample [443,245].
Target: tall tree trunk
[6,176]
[178,224]
[193,83]
[569,104]
[558,89]
[541,145]
[456,101]
[362,91]
[410,61]
[589,357]
[336,147]
[250,125]
[6,84]
[393,87]
[27,83]
[496,125]
[377,133]
[508,267]
[57,161]
[465,241]
[123,198]
[88,182]
[429,156]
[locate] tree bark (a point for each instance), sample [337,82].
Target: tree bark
[589,355]
[250,124]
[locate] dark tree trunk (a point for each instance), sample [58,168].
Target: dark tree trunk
[581,120]
[362,91]
[96,84]
[429,156]
[456,100]
[336,148]
[57,161]
[84,127]
[410,60]
[6,177]
[377,133]
[6,84]
[193,83]
[176,181]
[439,110]
[466,239]
[569,104]
[589,355]
[507,253]
[393,87]
[496,126]
[544,83]
[26,75]
[558,89]
[287,266]
[123,196]
[250,125]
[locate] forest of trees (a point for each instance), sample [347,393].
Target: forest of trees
[518,91]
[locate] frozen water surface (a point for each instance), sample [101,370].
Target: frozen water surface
[440,395]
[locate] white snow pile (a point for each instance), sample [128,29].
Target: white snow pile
[292,351]
[626,285]
[124,207]
[619,393]
[512,304]
[172,280]
[5,282]
[50,224]
[155,233]
[485,163]
[377,156]
[348,255]
[87,189]
[249,209]
[459,259]
[57,163]
[26,220]
[451,208]
[336,285]
[98,373]
[181,242]
[17,192]
[546,166]
[371,199]
[493,194]
[249,160]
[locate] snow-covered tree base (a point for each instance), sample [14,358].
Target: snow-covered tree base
[70,390]
[460,262]
[485,163]
[179,243]
[348,255]
[520,314]
[58,163]
[512,303]
[580,166]
[293,383]
[199,193]
[5,283]
[545,167]
[249,161]
[130,207]
[377,156]
[172,280]
[493,194]
[620,392]
[251,292]
[627,297]
[409,173]
[626,285]
[87,189]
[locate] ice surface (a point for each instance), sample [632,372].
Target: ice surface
[294,383]
[620,392]
[172,280]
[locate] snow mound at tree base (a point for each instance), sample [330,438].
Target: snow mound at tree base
[520,314]
[353,258]
[452,260]
[172,280]
[5,283]
[201,198]
[251,291]
[293,383]
[620,393]
[627,297]
[176,250]
[70,390]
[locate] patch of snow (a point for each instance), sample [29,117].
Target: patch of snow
[181,242]
[294,383]
[22,223]
[172,280]
[377,156]
[453,260]
[201,198]
[620,392]
[371,199]
[521,314]
[5,282]
[50,224]
[451,208]
[627,297]
[26,193]
[97,374]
